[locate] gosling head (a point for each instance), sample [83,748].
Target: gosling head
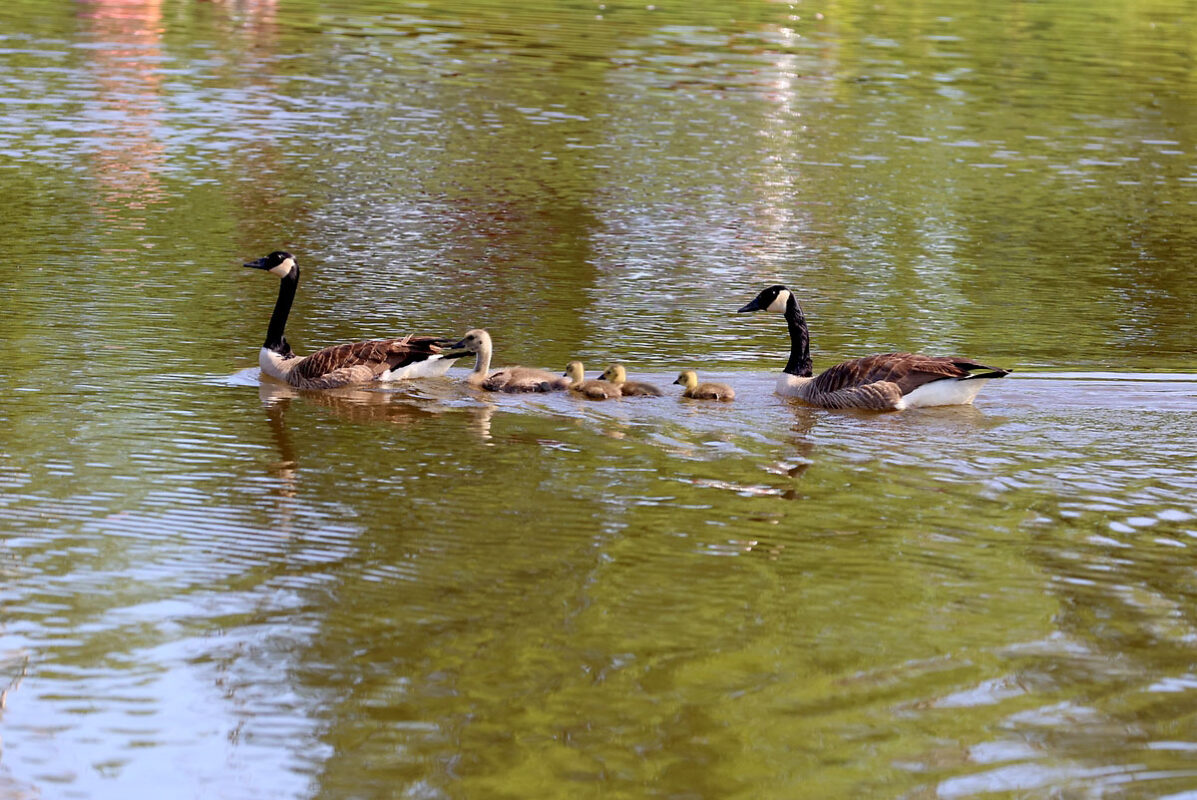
[280,263]
[774,300]
[574,371]
[615,373]
[688,378]
[474,341]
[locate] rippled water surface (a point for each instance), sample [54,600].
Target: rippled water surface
[214,586]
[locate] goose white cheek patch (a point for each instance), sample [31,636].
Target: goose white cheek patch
[282,269]
[778,306]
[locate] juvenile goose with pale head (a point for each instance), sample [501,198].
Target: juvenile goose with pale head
[343,364]
[594,389]
[703,391]
[888,382]
[618,375]
[505,379]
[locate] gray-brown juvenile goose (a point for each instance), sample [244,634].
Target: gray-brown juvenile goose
[504,379]
[343,364]
[888,382]
[594,389]
[703,391]
[618,375]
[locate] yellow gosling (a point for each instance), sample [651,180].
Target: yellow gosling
[595,390]
[617,375]
[703,391]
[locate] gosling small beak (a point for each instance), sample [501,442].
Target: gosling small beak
[679,380]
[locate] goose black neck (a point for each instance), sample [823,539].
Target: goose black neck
[799,363]
[282,308]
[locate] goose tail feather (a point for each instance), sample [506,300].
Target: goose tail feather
[993,373]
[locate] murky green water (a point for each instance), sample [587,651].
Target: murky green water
[213,587]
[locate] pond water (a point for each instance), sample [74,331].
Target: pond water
[214,586]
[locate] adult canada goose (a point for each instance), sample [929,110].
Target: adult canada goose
[343,364]
[617,375]
[505,379]
[703,391]
[595,390]
[889,382]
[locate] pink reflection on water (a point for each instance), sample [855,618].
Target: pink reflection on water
[127,57]
[126,60]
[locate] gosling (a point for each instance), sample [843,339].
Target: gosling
[506,379]
[703,391]
[617,375]
[595,390]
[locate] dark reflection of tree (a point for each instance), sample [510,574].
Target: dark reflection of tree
[963,222]
[496,230]
[454,623]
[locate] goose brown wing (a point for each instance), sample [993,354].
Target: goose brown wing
[908,371]
[379,355]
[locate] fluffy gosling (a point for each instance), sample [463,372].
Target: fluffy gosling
[703,391]
[595,390]
[617,375]
[505,379]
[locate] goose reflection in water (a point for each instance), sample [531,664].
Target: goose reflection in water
[375,406]
[354,406]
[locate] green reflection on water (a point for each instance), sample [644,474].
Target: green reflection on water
[430,593]
[590,631]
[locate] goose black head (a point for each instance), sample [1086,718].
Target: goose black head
[280,263]
[774,299]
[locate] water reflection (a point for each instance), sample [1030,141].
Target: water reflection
[399,404]
[428,591]
[14,667]
[127,59]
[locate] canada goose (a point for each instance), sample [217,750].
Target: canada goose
[343,364]
[889,382]
[595,390]
[506,379]
[704,391]
[617,375]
